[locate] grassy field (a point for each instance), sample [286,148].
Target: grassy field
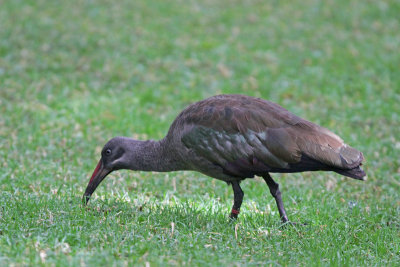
[75,73]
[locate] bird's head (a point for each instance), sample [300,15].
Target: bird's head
[113,157]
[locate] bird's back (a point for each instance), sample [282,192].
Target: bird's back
[246,136]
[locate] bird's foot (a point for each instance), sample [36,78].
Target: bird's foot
[289,223]
[234,214]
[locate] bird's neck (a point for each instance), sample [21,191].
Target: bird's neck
[156,156]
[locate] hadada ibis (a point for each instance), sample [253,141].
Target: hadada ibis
[231,138]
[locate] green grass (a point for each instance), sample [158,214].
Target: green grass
[75,73]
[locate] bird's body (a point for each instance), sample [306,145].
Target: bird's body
[234,137]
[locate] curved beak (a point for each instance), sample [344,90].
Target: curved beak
[98,175]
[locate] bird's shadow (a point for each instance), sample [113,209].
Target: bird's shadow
[187,214]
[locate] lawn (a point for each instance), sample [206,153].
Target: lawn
[75,73]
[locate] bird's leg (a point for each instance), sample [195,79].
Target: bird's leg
[237,200]
[276,193]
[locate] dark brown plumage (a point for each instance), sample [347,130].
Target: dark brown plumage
[231,138]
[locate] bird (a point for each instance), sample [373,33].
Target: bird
[232,138]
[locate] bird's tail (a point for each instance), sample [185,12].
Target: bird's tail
[356,173]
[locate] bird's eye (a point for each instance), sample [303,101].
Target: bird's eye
[108,152]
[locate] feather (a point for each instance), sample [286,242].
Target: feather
[247,136]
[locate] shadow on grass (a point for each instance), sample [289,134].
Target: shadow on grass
[195,215]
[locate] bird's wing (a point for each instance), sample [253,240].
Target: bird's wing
[247,135]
